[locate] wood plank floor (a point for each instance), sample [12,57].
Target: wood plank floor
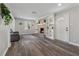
[38,45]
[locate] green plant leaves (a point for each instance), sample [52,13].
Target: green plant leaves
[8,19]
[5,13]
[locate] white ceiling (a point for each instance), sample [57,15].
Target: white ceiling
[24,10]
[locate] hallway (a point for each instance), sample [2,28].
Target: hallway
[38,45]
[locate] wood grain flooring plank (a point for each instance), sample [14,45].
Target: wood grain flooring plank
[38,45]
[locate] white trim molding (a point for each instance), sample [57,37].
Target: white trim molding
[74,44]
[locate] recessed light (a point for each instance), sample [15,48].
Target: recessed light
[59,4]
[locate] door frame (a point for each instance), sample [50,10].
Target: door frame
[62,15]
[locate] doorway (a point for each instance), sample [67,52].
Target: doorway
[62,27]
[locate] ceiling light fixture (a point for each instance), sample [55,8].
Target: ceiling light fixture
[59,4]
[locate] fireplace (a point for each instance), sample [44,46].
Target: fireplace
[41,30]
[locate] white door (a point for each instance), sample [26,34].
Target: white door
[62,27]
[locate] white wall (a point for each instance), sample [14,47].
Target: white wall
[12,24]
[19,27]
[5,35]
[73,24]
[23,29]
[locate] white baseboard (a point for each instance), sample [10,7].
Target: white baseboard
[5,51]
[50,37]
[74,44]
